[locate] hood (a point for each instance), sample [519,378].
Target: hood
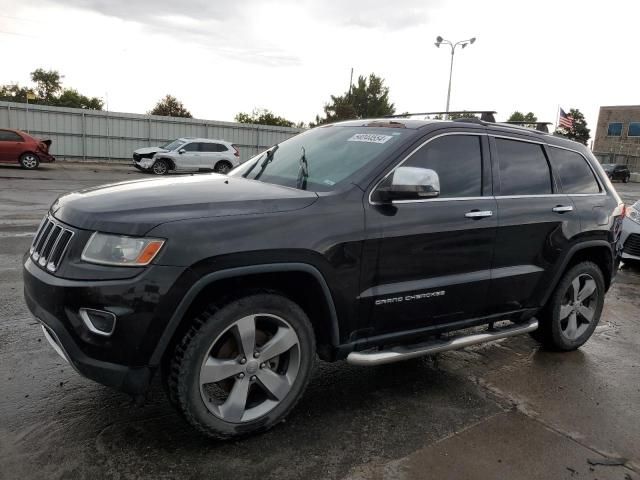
[135,207]
[145,150]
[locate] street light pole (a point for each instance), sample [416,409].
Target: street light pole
[463,44]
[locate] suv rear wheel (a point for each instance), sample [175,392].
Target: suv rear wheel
[240,369]
[574,309]
[223,167]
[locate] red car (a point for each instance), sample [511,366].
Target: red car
[20,147]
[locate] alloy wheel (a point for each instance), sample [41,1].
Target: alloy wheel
[223,168]
[159,168]
[250,368]
[578,307]
[29,161]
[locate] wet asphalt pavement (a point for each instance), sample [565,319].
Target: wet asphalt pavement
[501,410]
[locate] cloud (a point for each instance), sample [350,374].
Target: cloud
[233,28]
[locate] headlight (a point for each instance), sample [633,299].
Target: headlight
[107,249]
[632,214]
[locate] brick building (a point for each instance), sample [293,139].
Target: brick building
[617,138]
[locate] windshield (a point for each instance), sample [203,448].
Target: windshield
[321,158]
[173,145]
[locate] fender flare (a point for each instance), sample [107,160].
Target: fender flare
[570,254]
[197,287]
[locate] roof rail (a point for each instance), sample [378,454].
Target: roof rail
[485,115]
[540,126]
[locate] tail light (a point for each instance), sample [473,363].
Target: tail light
[237,152]
[44,147]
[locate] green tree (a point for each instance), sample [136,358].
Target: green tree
[368,98]
[521,117]
[579,131]
[48,85]
[72,99]
[49,91]
[262,116]
[13,93]
[170,106]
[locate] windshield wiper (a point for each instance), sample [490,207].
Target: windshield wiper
[303,172]
[269,156]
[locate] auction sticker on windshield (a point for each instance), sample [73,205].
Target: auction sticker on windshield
[370,138]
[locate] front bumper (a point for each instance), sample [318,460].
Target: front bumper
[630,240]
[143,305]
[46,158]
[142,164]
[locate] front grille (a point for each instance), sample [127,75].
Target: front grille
[632,245]
[50,244]
[136,156]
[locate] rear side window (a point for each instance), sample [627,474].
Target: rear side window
[7,136]
[574,172]
[457,159]
[212,147]
[523,168]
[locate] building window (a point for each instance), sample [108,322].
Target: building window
[634,129]
[614,130]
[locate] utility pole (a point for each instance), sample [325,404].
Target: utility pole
[350,83]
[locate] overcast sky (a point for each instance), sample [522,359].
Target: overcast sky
[221,57]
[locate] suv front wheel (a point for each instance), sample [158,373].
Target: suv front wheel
[240,369]
[573,311]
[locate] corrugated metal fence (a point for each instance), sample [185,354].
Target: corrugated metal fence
[111,136]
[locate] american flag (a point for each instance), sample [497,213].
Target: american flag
[565,120]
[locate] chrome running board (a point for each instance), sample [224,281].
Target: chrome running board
[396,354]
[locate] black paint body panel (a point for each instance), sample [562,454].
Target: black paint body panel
[449,271]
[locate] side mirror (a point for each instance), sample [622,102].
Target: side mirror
[410,183]
[181,151]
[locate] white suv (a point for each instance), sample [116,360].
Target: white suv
[188,154]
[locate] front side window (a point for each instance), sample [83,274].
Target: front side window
[574,172]
[191,147]
[174,145]
[523,168]
[320,158]
[634,129]
[457,159]
[614,129]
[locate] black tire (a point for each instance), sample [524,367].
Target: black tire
[554,331]
[29,161]
[160,167]
[218,326]
[626,179]
[223,167]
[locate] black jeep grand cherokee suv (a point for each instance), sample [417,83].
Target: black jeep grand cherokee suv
[364,240]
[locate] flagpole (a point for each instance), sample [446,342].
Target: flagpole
[558,117]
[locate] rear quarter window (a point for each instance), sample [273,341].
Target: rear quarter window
[575,173]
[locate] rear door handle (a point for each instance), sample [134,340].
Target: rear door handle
[563,208]
[478,214]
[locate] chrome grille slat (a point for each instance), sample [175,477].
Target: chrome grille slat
[50,244]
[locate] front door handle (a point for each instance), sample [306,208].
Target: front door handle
[478,214]
[563,208]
